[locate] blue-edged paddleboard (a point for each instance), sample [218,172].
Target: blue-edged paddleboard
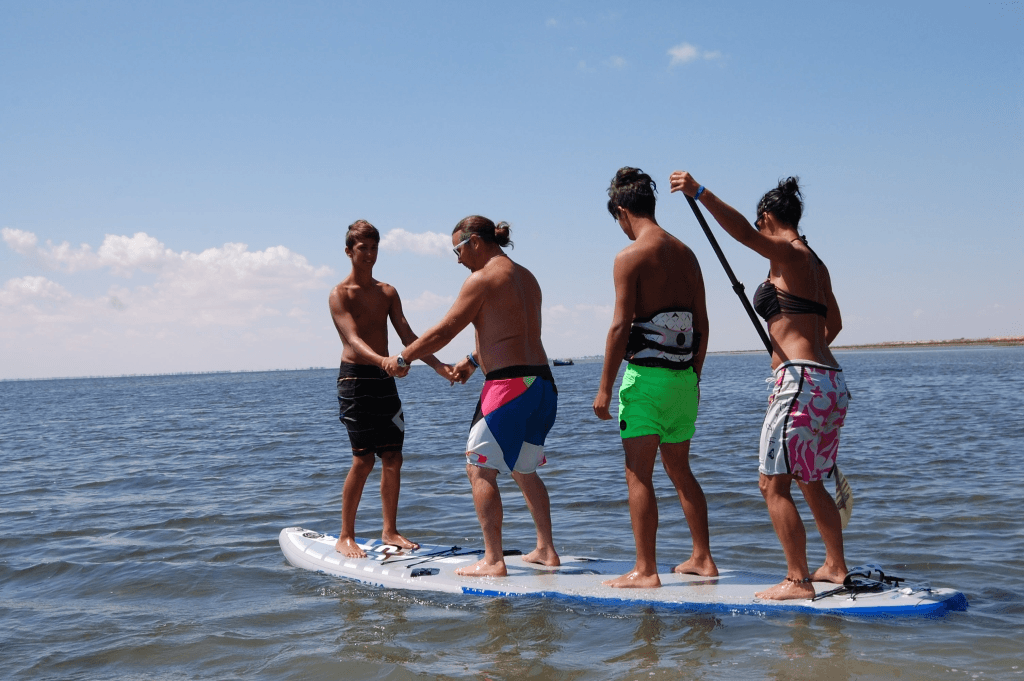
[432,568]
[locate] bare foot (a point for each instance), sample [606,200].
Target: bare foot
[349,548]
[543,556]
[634,580]
[704,568]
[787,590]
[827,574]
[481,568]
[399,541]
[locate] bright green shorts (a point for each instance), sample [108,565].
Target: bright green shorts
[657,401]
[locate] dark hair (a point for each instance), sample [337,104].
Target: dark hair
[485,229]
[785,202]
[634,190]
[360,229]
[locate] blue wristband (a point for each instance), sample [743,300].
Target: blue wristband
[472,361]
[700,190]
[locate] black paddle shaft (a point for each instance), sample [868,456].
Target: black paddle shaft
[736,285]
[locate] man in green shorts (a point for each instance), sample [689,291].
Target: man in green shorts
[660,326]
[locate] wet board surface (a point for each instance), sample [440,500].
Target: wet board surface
[432,568]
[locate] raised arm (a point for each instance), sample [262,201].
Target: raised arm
[625,273]
[732,221]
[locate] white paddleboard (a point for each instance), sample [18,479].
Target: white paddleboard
[432,568]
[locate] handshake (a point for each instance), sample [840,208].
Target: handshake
[397,367]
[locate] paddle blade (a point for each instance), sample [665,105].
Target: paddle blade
[844,498]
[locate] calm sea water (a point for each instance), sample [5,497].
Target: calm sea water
[140,520]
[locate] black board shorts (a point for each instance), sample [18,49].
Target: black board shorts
[370,409]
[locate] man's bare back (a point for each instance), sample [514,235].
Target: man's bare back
[668,275]
[509,319]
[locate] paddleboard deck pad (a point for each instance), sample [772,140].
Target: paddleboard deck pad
[432,568]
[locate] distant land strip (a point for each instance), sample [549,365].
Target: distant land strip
[588,359]
[897,345]
[996,340]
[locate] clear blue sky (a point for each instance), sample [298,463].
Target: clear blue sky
[176,177]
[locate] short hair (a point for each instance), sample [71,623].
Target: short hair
[360,229]
[634,190]
[485,229]
[785,202]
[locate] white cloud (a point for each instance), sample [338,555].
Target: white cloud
[23,243]
[30,290]
[122,254]
[551,23]
[577,330]
[428,301]
[556,312]
[206,304]
[684,53]
[616,62]
[427,243]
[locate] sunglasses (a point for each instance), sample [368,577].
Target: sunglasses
[458,254]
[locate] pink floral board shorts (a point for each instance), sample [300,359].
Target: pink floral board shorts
[800,435]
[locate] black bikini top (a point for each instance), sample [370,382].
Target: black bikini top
[770,301]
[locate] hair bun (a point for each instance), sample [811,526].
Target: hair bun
[790,185]
[785,202]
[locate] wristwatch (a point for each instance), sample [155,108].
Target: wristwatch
[402,363]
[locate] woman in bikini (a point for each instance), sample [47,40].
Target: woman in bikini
[800,436]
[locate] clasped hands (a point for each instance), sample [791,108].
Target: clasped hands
[451,372]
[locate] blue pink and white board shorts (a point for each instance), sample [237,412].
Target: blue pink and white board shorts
[800,435]
[516,410]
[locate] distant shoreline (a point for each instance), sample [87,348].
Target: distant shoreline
[998,341]
[959,342]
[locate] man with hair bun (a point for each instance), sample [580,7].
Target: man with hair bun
[518,402]
[660,326]
[367,395]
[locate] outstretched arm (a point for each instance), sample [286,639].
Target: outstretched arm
[461,314]
[732,221]
[405,332]
[625,275]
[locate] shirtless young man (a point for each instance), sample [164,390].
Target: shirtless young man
[367,394]
[660,326]
[518,402]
